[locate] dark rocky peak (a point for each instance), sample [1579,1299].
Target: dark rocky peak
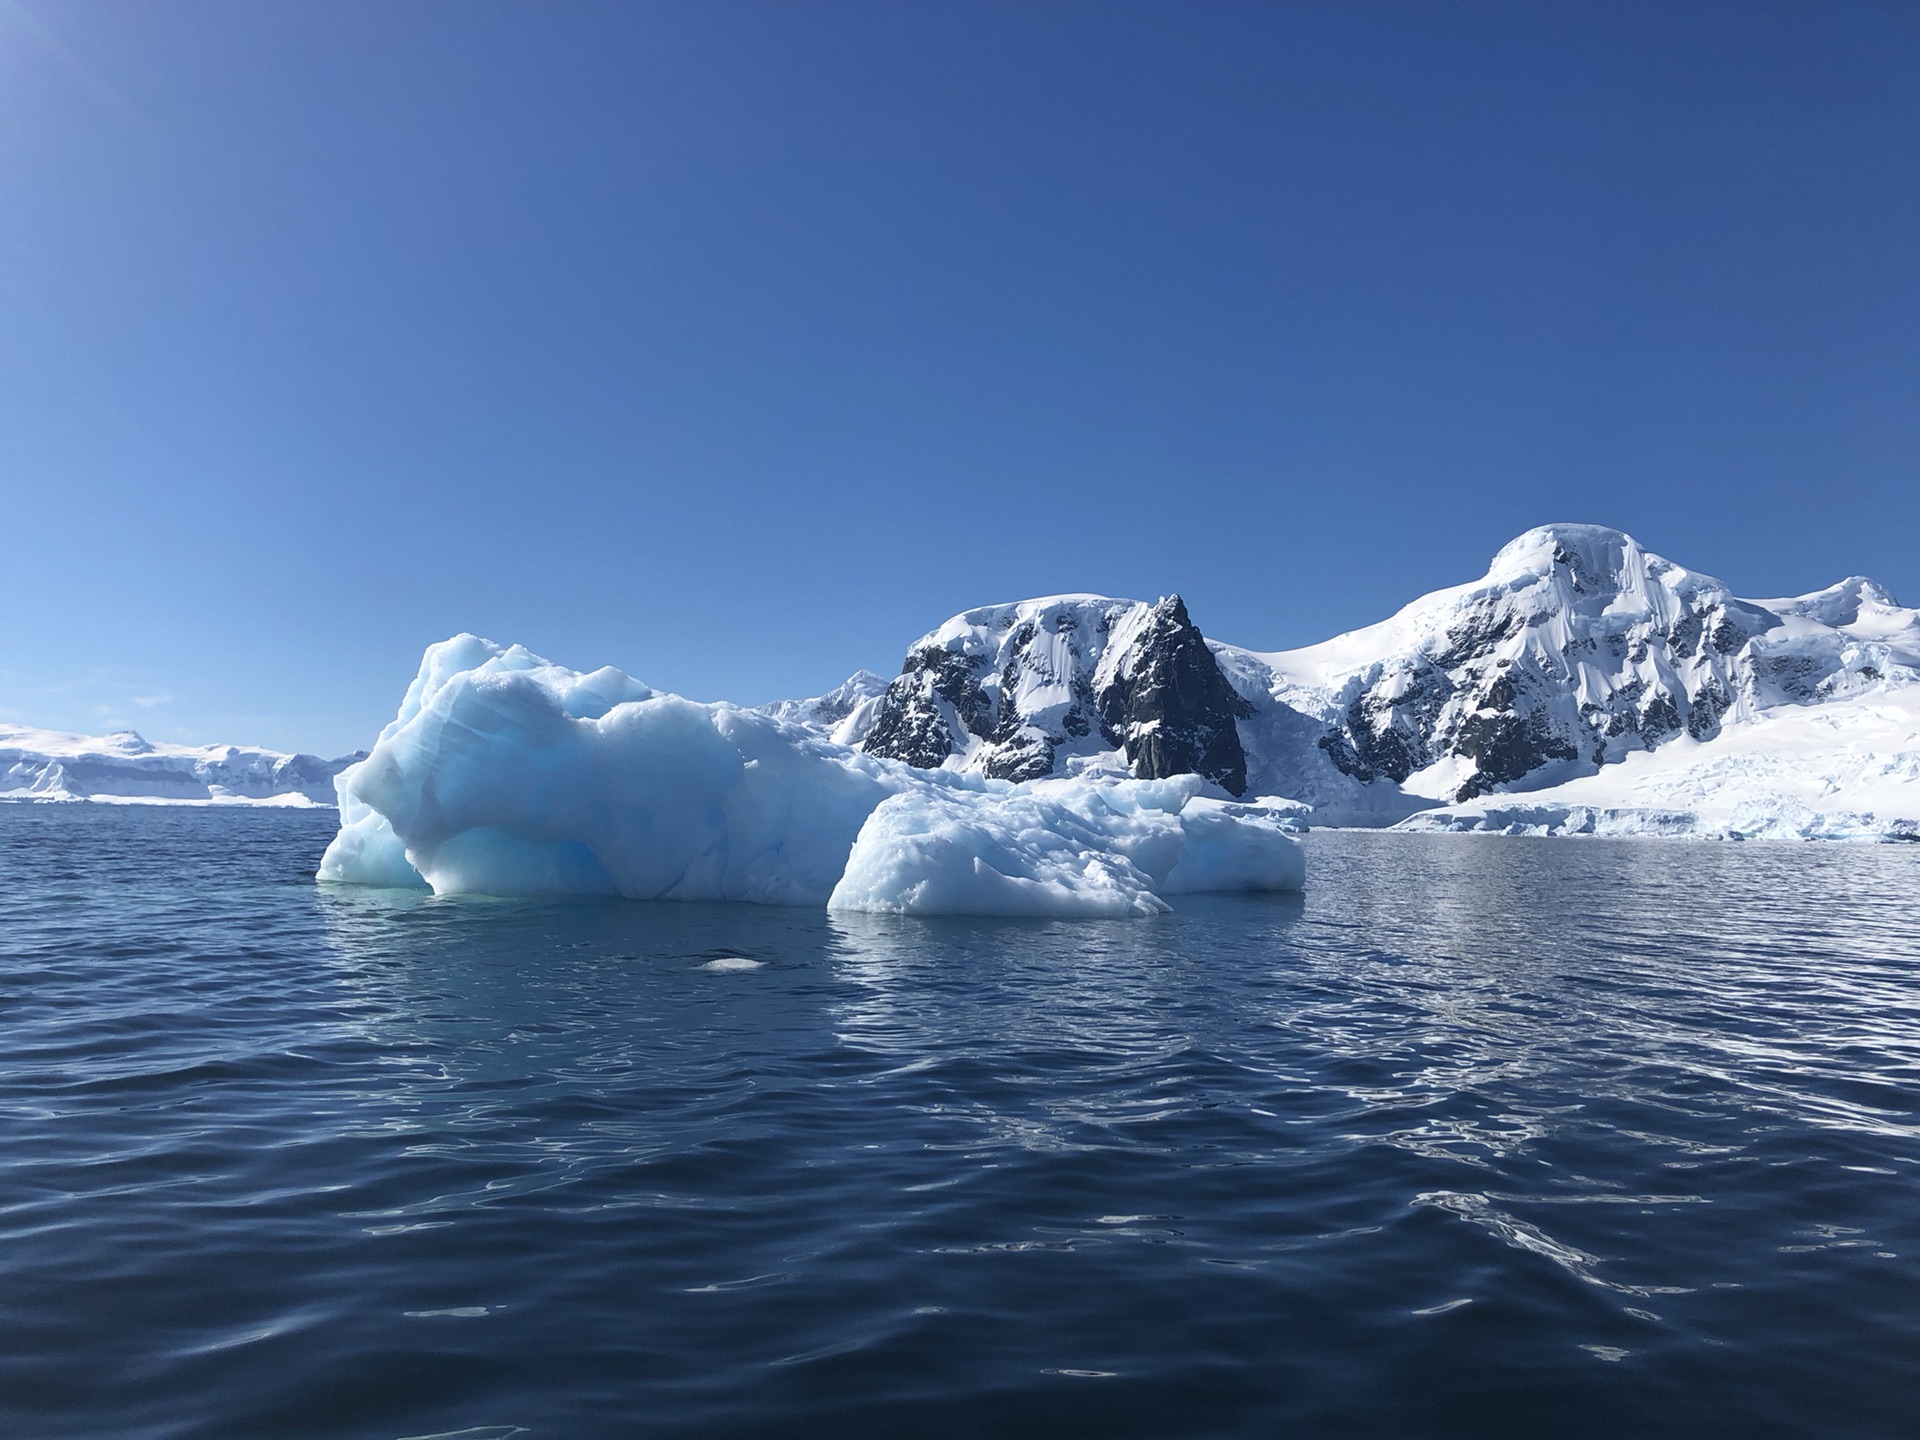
[1003,688]
[1017,691]
[1169,707]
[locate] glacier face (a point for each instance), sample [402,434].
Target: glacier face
[504,774]
[124,766]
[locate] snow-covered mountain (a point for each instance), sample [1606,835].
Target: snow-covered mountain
[1578,656]
[844,714]
[1055,686]
[54,765]
[1846,769]
[1576,649]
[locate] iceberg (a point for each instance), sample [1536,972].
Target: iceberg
[505,774]
[1064,848]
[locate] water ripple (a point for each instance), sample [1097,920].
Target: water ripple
[1480,1137]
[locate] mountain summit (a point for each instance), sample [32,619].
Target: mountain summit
[1576,651]
[1022,691]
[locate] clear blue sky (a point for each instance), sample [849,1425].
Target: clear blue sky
[738,344]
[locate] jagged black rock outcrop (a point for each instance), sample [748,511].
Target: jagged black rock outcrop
[1171,709]
[1013,687]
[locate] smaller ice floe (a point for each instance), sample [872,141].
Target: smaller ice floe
[1064,848]
[731,964]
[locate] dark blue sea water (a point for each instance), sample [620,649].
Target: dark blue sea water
[1481,1137]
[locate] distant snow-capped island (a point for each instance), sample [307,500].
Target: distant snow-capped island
[126,768]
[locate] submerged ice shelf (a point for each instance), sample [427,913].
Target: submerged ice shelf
[504,774]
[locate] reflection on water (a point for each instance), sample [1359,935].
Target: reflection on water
[1479,1137]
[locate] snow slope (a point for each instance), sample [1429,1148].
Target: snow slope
[843,715]
[1845,770]
[1581,655]
[504,774]
[124,767]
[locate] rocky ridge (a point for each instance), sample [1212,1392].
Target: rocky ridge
[1577,650]
[1022,691]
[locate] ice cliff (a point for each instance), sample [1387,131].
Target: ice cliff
[504,774]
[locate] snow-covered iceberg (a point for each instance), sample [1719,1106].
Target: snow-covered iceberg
[1063,847]
[504,774]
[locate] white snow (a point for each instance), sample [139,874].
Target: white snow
[1812,740]
[504,774]
[843,715]
[1062,847]
[126,768]
[1846,769]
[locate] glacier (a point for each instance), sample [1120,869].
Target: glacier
[505,774]
[127,768]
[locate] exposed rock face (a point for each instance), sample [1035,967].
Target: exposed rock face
[1021,691]
[1577,648]
[1169,707]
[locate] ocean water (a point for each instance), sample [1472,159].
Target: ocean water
[1480,1137]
